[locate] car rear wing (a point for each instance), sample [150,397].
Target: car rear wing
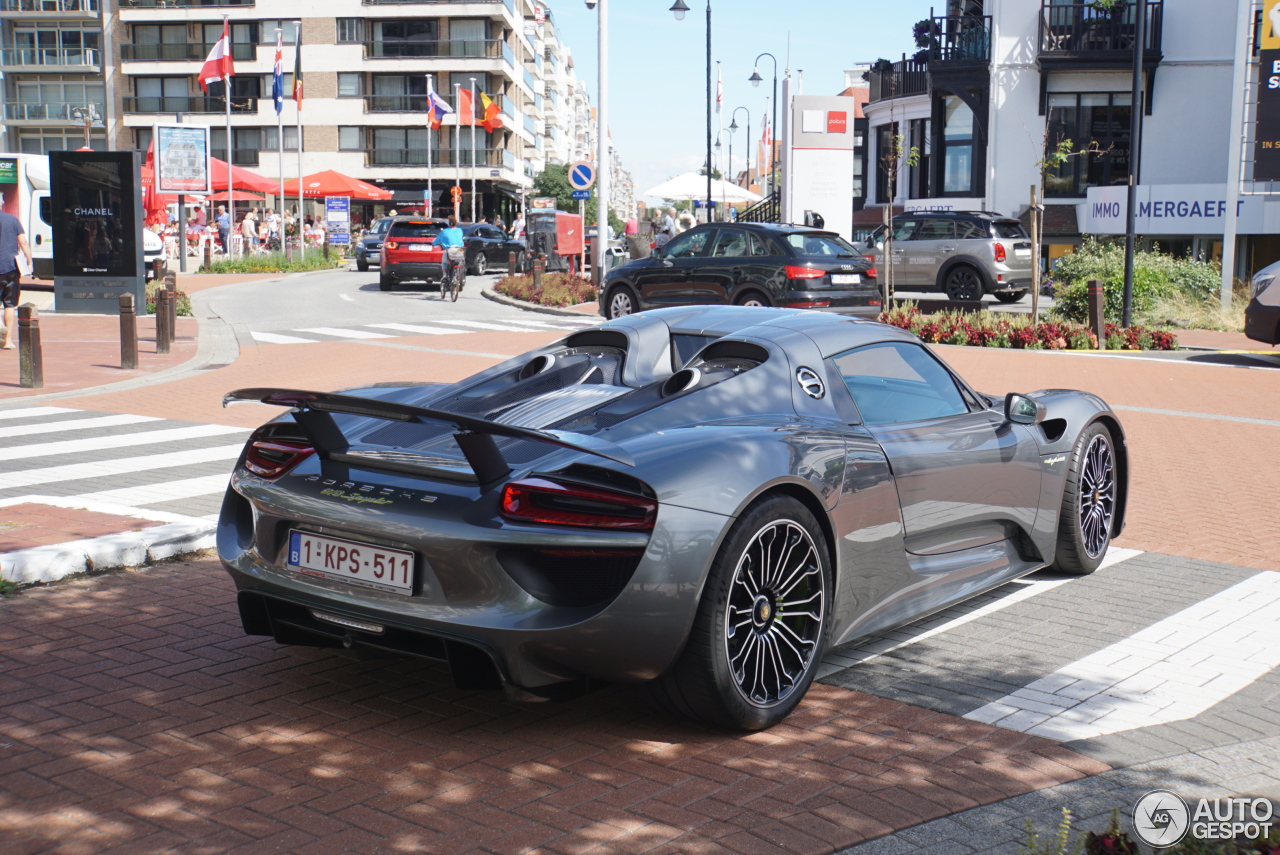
[314,411]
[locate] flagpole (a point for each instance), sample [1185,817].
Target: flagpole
[431,113]
[457,150]
[472,117]
[284,239]
[231,184]
[297,67]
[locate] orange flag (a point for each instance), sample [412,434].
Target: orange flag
[466,108]
[491,121]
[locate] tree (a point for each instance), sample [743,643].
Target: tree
[554,181]
[1054,158]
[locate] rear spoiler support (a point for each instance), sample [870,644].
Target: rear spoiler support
[314,411]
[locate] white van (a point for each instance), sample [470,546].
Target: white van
[24,185]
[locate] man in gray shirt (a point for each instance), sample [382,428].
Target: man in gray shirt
[13,239]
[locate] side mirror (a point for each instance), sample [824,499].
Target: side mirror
[1022,410]
[666,262]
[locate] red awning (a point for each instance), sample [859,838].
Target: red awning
[331,183]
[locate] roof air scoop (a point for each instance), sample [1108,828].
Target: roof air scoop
[537,365]
[682,381]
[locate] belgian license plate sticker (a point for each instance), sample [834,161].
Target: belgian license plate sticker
[1022,253]
[351,562]
[846,279]
[419,247]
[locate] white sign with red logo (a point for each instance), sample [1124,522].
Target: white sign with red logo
[837,122]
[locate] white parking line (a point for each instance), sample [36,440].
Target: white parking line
[416,328]
[480,325]
[165,491]
[120,440]
[334,331]
[121,466]
[75,424]
[33,412]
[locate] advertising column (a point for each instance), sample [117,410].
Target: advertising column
[97,230]
[1266,150]
[337,218]
[819,176]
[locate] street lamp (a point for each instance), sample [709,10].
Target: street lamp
[733,127]
[679,9]
[602,142]
[755,80]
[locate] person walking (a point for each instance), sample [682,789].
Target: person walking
[249,230]
[223,221]
[517,227]
[13,240]
[669,221]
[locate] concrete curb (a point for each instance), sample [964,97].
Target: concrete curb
[531,307]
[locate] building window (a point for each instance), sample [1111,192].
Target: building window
[957,145]
[45,141]
[350,85]
[350,138]
[161,94]
[405,37]
[241,34]
[350,30]
[918,139]
[288,32]
[248,143]
[290,139]
[141,138]
[1097,123]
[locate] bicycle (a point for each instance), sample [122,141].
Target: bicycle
[457,277]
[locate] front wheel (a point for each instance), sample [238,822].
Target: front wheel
[362,265]
[385,282]
[459,277]
[1010,296]
[479,264]
[622,302]
[761,625]
[519,268]
[751,298]
[1088,503]
[963,284]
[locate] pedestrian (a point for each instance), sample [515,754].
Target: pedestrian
[391,213]
[13,240]
[499,224]
[224,227]
[249,231]
[632,227]
[517,227]
[669,221]
[663,238]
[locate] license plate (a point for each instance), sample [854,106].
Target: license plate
[1022,253]
[846,279]
[351,562]
[419,247]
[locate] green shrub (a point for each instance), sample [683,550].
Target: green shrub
[184,302]
[558,289]
[1155,276]
[275,262]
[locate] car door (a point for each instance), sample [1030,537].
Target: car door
[965,476]
[923,256]
[725,272]
[904,230]
[667,281]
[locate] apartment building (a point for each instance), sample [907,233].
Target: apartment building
[1002,82]
[51,64]
[365,69]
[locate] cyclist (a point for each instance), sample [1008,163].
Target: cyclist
[448,239]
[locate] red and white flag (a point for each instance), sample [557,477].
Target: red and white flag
[218,65]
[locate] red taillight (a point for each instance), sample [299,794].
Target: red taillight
[810,304]
[871,273]
[271,458]
[538,500]
[999,250]
[794,272]
[392,244]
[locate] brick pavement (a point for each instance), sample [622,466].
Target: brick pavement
[33,524]
[137,717]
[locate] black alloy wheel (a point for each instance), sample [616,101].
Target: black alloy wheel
[622,302]
[1089,503]
[963,284]
[753,298]
[1010,296]
[362,264]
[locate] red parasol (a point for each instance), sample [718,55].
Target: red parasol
[243,178]
[330,183]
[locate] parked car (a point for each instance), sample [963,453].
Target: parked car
[488,246]
[747,264]
[702,498]
[964,254]
[409,251]
[1262,316]
[369,246]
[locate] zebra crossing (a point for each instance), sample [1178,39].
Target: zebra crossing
[434,326]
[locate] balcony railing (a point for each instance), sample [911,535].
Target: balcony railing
[491,157]
[417,104]
[1082,29]
[188,104]
[241,156]
[960,39]
[907,77]
[52,112]
[79,57]
[188,52]
[86,7]
[457,48]
[180,4]
[510,4]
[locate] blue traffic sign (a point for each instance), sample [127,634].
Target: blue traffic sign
[582,194]
[582,175]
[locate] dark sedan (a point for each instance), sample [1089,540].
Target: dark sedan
[747,264]
[488,246]
[1262,317]
[369,245]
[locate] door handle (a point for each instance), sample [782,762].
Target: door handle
[688,271]
[948,249]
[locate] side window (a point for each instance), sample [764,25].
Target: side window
[896,382]
[969,230]
[760,245]
[688,245]
[904,229]
[730,243]
[936,230]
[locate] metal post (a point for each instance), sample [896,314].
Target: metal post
[1035,254]
[709,199]
[457,152]
[171,306]
[128,333]
[602,145]
[30,357]
[511,264]
[1135,157]
[284,239]
[1235,153]
[297,221]
[582,263]
[472,117]
[1097,312]
[182,232]
[162,321]
[539,266]
[430,207]
[231,184]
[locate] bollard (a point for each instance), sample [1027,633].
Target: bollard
[163,333]
[208,254]
[171,280]
[171,285]
[1097,312]
[128,333]
[511,263]
[539,266]
[326,246]
[30,359]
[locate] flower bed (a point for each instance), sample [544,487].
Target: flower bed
[983,329]
[558,290]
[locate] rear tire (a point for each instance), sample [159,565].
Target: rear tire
[621,302]
[963,284]
[761,625]
[362,265]
[479,264]
[753,298]
[385,282]
[519,268]
[1010,296]
[1088,503]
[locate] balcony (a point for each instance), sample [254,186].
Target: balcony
[960,39]
[417,104]
[53,112]
[908,77]
[51,57]
[187,52]
[510,4]
[188,104]
[457,49]
[74,8]
[1077,35]
[490,157]
[181,4]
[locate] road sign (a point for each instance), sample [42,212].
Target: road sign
[337,215]
[456,192]
[582,194]
[582,175]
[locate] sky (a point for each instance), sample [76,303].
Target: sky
[657,66]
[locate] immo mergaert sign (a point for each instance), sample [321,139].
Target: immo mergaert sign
[1169,209]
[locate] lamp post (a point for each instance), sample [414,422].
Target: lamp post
[755,79]
[679,9]
[733,127]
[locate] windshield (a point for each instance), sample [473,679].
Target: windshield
[412,229]
[820,244]
[380,227]
[1008,229]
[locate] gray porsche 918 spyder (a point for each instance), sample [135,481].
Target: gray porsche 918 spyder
[699,498]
